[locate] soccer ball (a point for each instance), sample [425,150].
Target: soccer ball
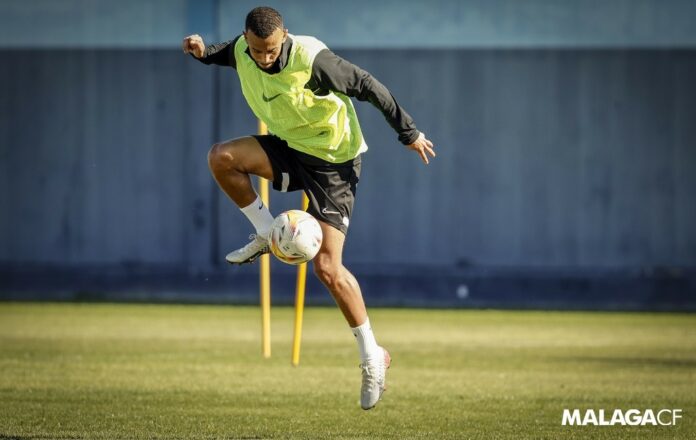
[295,237]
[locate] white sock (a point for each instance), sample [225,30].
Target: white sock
[259,216]
[366,341]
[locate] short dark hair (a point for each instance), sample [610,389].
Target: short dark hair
[263,21]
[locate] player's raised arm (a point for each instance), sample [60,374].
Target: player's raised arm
[221,54]
[194,45]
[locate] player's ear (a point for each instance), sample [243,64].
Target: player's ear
[285,35]
[244,32]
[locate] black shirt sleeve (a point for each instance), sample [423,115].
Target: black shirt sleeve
[221,54]
[331,72]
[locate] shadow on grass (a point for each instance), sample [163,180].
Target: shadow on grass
[39,437]
[633,361]
[34,437]
[59,437]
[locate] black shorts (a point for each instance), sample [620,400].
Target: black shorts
[329,186]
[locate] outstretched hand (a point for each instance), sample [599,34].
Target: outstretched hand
[194,44]
[423,147]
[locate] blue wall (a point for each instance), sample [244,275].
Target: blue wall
[356,24]
[565,177]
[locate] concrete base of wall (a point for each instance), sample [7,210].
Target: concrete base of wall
[643,289]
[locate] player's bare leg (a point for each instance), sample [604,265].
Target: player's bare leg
[231,163]
[329,268]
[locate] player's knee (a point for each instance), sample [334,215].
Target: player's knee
[326,270]
[221,159]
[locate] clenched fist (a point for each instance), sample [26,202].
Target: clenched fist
[194,44]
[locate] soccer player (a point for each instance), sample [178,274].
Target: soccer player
[302,91]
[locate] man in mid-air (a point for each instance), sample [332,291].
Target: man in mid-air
[302,91]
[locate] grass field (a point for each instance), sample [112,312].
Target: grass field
[98,371]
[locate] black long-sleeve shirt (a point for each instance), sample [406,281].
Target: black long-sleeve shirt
[331,73]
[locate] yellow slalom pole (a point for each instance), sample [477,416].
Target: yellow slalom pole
[299,300]
[265,270]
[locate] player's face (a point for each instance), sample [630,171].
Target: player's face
[265,51]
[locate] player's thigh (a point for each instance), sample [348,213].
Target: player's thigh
[243,154]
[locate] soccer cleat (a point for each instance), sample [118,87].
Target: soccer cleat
[373,379]
[249,253]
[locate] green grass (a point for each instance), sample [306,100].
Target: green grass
[97,371]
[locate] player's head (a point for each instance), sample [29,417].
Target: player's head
[265,34]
